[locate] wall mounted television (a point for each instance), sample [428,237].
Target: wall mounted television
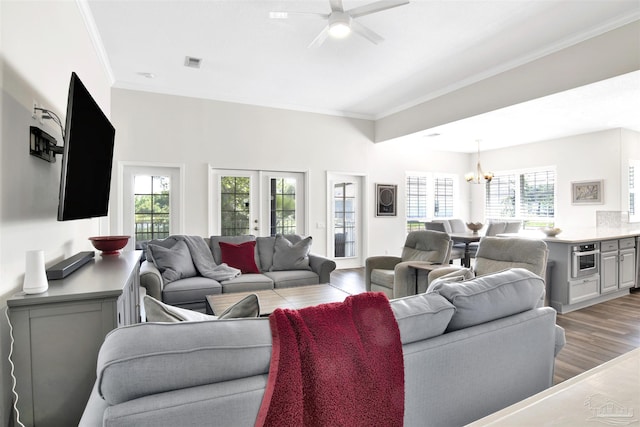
[87,157]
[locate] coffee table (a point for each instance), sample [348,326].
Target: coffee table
[294,297]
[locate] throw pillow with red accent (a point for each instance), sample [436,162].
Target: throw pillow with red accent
[240,256]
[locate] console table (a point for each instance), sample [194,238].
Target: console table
[58,334]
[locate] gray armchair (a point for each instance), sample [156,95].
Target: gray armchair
[501,253]
[393,276]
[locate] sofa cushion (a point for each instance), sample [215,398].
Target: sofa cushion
[190,290]
[291,256]
[421,316]
[289,278]
[241,256]
[491,297]
[174,263]
[247,282]
[149,358]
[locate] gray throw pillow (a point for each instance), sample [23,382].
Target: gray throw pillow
[174,263]
[157,311]
[291,256]
[248,306]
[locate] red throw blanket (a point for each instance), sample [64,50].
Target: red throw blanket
[336,364]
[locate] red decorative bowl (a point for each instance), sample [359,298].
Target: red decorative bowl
[109,245]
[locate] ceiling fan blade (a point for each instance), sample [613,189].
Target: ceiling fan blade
[368,34]
[287,15]
[336,6]
[320,38]
[378,6]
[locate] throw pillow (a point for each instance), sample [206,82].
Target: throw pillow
[174,263]
[240,256]
[248,306]
[157,311]
[290,256]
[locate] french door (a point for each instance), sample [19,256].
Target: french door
[345,237]
[262,203]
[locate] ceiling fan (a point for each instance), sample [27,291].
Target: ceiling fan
[340,22]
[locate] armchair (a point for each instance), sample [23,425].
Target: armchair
[392,274]
[500,253]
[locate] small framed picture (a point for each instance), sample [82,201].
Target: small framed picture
[386,200]
[587,192]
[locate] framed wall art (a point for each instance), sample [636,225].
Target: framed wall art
[386,199]
[587,192]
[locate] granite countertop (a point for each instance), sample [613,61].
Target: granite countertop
[583,235]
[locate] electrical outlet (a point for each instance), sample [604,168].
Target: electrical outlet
[37,114]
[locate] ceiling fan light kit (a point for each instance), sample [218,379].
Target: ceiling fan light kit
[339,25]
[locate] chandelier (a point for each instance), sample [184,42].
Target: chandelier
[478,177]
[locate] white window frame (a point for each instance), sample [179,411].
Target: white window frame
[518,195]
[634,188]
[430,201]
[125,194]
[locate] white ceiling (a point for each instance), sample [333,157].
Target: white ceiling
[431,47]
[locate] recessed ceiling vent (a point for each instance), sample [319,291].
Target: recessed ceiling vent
[191,62]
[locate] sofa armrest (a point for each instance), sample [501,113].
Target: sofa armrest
[385,262]
[448,271]
[322,266]
[151,280]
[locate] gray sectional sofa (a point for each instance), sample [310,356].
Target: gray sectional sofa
[469,349]
[281,261]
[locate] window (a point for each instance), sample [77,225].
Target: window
[283,206]
[234,205]
[529,195]
[429,196]
[344,222]
[151,207]
[443,197]
[634,190]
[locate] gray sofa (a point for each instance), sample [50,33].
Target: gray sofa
[469,350]
[293,265]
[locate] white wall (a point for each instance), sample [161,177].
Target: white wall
[591,156]
[41,43]
[196,133]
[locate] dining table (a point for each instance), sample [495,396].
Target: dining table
[467,239]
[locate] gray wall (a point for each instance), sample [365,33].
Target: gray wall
[41,42]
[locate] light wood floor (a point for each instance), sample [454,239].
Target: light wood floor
[594,334]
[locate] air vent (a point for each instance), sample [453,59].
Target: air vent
[191,62]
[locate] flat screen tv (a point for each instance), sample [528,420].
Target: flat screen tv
[87,157]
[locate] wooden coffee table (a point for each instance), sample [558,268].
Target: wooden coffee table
[294,297]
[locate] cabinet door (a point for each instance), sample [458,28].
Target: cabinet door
[627,268]
[608,272]
[583,289]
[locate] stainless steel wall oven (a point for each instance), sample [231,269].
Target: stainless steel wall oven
[585,260]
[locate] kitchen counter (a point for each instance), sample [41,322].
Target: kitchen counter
[582,235]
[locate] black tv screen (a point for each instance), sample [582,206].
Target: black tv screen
[87,157]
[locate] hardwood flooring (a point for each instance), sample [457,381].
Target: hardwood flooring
[594,334]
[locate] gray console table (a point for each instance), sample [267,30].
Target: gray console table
[58,334]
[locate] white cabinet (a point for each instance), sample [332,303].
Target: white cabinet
[58,334]
[627,268]
[617,265]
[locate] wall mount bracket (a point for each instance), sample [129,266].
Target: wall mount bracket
[43,145]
